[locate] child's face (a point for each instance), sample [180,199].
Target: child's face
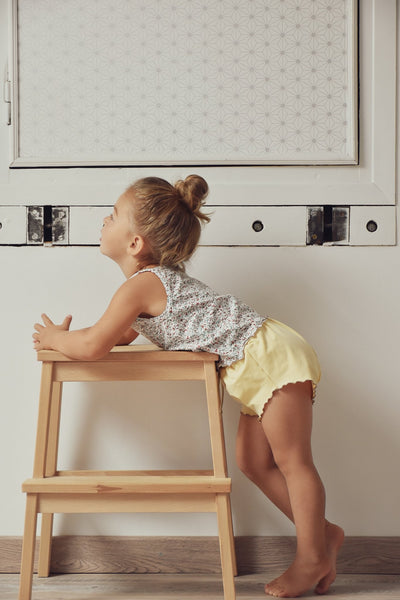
[117,234]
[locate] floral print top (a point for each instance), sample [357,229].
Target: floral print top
[198,319]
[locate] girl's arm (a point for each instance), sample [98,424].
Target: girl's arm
[127,337]
[142,294]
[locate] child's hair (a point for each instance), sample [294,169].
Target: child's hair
[169,217]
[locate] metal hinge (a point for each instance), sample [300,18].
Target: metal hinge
[328,225]
[7,94]
[48,225]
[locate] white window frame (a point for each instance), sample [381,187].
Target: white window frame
[371,182]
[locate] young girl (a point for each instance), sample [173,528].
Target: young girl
[152,231]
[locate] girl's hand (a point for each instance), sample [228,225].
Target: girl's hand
[44,338]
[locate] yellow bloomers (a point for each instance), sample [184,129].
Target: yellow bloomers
[274,356]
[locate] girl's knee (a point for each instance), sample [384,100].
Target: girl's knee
[244,462]
[253,452]
[252,465]
[293,462]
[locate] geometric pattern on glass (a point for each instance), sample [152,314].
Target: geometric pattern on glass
[187,81]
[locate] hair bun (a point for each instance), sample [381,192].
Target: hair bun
[193,191]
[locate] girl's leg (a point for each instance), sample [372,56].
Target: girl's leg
[254,458]
[257,461]
[287,423]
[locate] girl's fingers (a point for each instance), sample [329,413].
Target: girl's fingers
[46,320]
[67,322]
[38,326]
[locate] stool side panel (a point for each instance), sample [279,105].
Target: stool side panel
[117,503]
[128,371]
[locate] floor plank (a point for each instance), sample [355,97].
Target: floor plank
[186,587]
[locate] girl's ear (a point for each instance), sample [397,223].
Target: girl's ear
[136,245]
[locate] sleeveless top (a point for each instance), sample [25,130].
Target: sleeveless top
[198,319]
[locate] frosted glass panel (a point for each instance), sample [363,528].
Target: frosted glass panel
[187,81]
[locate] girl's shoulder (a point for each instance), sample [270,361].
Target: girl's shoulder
[145,288]
[168,275]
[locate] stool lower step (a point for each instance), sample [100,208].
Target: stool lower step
[127,484]
[107,472]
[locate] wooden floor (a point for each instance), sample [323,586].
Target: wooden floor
[186,587]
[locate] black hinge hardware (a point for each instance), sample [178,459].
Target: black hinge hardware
[47,225]
[34,220]
[327,224]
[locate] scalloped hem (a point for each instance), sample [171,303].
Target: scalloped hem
[314,393]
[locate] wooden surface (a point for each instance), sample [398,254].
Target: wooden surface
[136,352]
[128,484]
[144,362]
[189,587]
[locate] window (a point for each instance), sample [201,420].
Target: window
[174,82]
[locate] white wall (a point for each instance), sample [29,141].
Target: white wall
[344,300]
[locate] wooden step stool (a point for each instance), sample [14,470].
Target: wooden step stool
[51,491]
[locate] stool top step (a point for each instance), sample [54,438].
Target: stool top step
[137,353]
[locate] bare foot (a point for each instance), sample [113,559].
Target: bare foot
[334,540]
[298,579]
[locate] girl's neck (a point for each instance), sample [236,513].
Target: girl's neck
[149,266]
[131,270]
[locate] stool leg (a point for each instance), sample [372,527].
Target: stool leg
[46,533]
[28,548]
[215,421]
[226,537]
[228,561]
[231,537]
[43,426]
[50,470]
[54,430]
